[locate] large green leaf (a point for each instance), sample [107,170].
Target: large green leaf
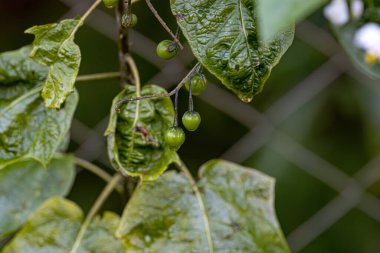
[223,36]
[274,15]
[54,227]
[345,35]
[165,216]
[27,128]
[54,46]
[141,150]
[24,186]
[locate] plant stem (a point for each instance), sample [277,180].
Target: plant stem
[162,22]
[198,194]
[175,124]
[95,208]
[136,78]
[98,76]
[171,93]
[84,17]
[191,103]
[125,76]
[97,171]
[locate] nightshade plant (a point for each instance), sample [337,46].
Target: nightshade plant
[227,209]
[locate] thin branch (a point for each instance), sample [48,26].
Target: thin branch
[199,197]
[164,25]
[98,76]
[125,75]
[84,17]
[175,124]
[191,102]
[161,95]
[94,209]
[97,171]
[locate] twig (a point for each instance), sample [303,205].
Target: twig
[161,95]
[199,197]
[94,209]
[97,171]
[164,25]
[84,17]
[98,76]
[175,124]
[125,75]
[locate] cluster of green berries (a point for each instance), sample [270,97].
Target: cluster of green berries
[175,136]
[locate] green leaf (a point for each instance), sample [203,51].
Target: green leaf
[27,128]
[24,186]
[141,150]
[345,35]
[223,36]
[55,225]
[164,216]
[275,16]
[54,47]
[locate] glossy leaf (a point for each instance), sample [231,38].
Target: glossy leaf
[25,185]
[345,35]
[223,36]
[27,128]
[164,216]
[55,225]
[54,46]
[141,150]
[275,16]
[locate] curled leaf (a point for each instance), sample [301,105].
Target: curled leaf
[54,47]
[223,36]
[140,149]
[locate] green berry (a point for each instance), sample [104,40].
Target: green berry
[128,20]
[166,49]
[198,84]
[191,120]
[110,3]
[175,137]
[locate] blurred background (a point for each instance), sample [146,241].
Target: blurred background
[315,127]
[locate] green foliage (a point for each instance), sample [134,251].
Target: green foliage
[27,128]
[55,225]
[165,216]
[139,149]
[25,185]
[54,47]
[345,35]
[223,36]
[275,16]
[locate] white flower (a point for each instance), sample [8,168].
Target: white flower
[368,39]
[337,11]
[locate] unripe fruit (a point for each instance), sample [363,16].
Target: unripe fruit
[129,20]
[191,120]
[110,3]
[198,84]
[175,137]
[166,49]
